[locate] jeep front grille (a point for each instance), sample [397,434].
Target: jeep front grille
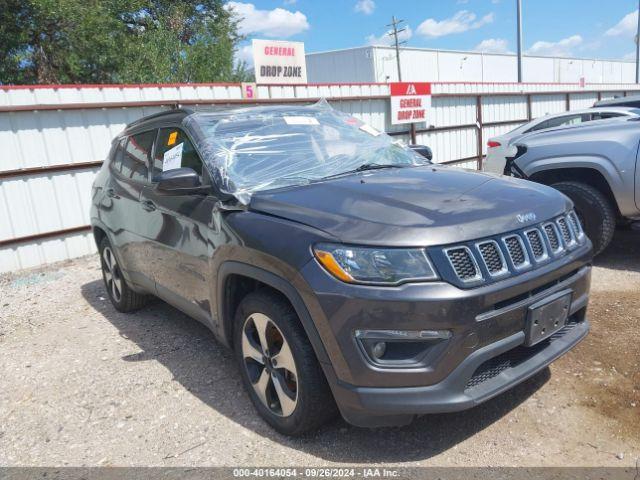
[552,235]
[492,257]
[516,251]
[464,264]
[567,237]
[575,224]
[536,243]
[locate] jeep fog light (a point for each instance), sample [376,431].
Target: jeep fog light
[402,348]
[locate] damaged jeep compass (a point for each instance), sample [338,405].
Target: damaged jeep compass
[347,272]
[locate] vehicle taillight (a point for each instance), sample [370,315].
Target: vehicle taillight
[493,143]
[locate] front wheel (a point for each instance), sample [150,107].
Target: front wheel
[278,366]
[596,213]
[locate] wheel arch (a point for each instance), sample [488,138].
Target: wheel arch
[586,174]
[98,234]
[236,279]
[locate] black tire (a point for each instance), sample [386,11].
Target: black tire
[314,402]
[597,214]
[125,300]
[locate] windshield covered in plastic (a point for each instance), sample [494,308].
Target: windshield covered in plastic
[260,148]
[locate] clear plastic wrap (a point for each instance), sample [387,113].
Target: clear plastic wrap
[260,148]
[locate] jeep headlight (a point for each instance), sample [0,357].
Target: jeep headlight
[366,265]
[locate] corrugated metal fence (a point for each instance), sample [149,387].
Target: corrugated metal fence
[54,139]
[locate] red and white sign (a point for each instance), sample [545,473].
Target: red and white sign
[279,62]
[410,102]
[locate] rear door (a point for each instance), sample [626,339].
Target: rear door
[181,229]
[125,217]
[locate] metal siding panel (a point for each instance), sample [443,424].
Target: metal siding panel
[546,104]
[580,101]
[46,251]
[37,204]
[503,108]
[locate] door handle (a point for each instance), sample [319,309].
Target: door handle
[111,193]
[148,205]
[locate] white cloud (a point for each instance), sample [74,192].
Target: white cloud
[245,54]
[460,22]
[627,26]
[365,6]
[386,39]
[493,45]
[562,48]
[276,23]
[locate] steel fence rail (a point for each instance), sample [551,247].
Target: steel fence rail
[53,135]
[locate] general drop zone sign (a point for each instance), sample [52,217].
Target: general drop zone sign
[410,102]
[278,62]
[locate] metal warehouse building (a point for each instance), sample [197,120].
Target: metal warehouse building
[378,64]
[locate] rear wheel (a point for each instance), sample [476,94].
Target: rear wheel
[278,366]
[596,213]
[122,297]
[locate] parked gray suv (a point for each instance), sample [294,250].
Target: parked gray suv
[347,272]
[594,164]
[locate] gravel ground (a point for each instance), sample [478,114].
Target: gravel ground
[83,385]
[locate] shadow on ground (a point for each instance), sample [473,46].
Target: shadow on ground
[623,253]
[208,371]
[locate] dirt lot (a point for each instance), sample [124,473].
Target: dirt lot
[84,385]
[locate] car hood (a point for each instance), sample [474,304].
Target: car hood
[420,206]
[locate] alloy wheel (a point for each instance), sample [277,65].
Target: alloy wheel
[270,364]
[112,276]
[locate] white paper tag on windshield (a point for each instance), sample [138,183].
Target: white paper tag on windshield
[369,129]
[301,121]
[172,159]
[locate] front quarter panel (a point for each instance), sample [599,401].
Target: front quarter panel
[274,251]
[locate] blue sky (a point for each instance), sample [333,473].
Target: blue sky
[582,28]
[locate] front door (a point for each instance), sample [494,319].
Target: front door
[182,229]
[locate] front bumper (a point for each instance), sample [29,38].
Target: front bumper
[483,357]
[484,374]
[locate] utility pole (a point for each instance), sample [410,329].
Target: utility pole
[638,47]
[394,33]
[519,34]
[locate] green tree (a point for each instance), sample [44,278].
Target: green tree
[117,41]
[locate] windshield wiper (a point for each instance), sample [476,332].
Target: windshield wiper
[362,168]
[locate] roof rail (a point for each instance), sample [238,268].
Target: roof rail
[172,111]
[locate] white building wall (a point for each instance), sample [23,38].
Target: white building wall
[378,64]
[357,64]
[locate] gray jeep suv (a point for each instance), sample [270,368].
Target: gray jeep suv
[347,272]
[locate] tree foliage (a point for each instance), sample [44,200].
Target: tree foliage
[117,41]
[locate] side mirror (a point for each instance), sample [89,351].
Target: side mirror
[422,150]
[180,181]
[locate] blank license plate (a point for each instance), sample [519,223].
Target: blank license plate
[546,317]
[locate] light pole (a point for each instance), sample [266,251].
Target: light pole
[638,47]
[519,39]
